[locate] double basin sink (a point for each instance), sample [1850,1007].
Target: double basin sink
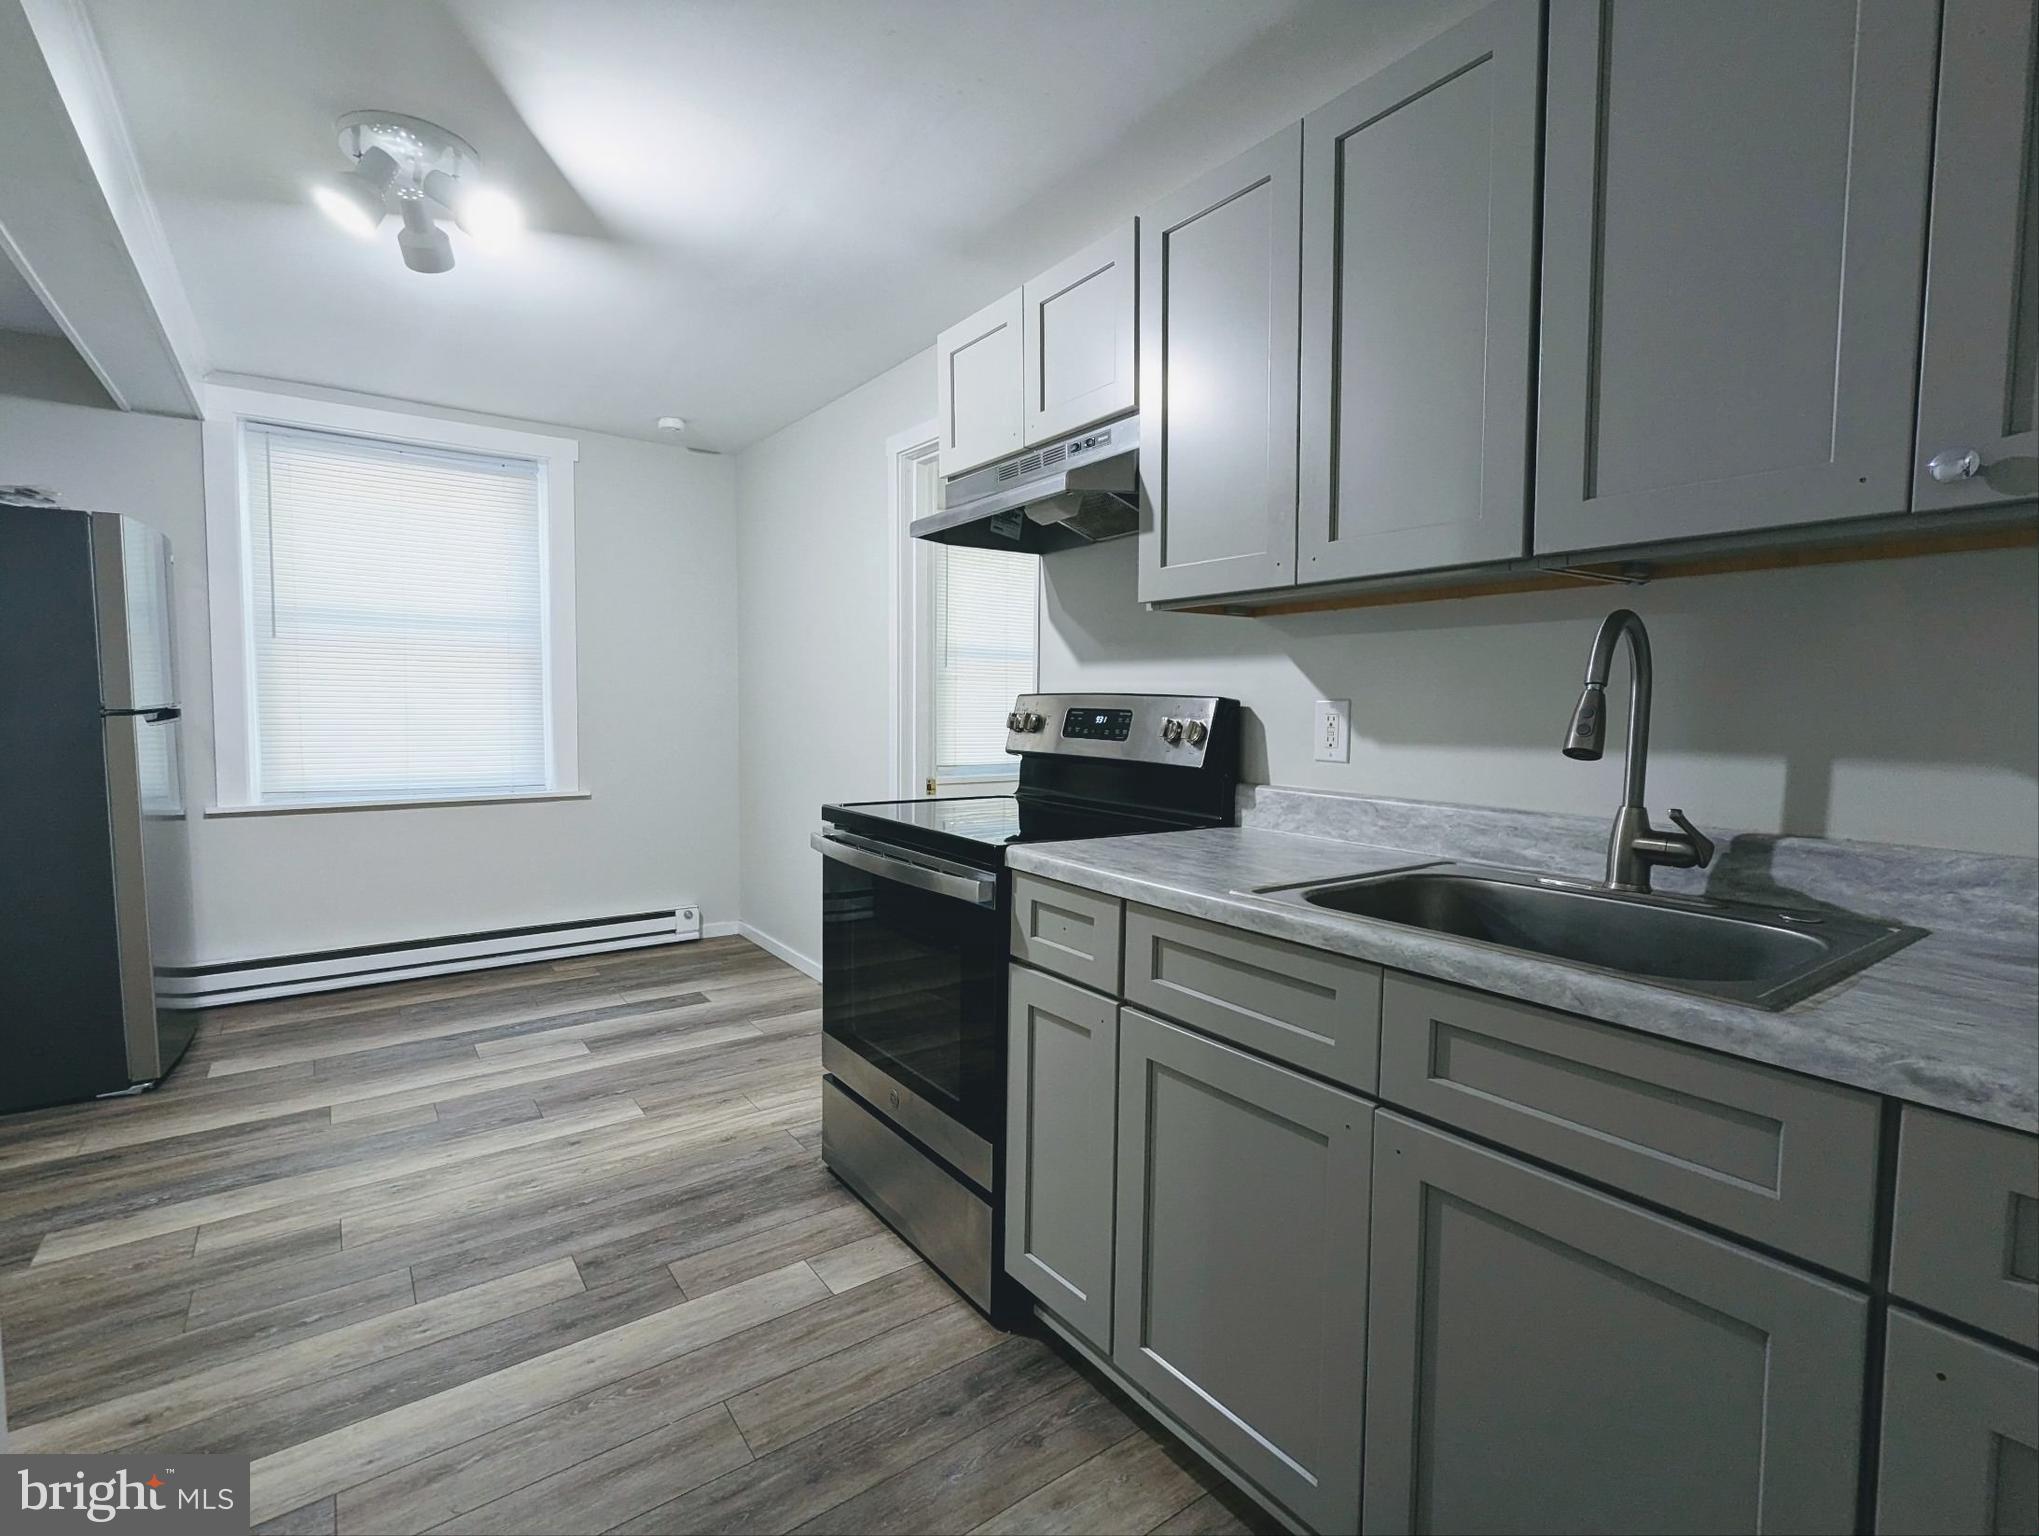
[1760,956]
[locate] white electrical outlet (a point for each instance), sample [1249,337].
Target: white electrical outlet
[1332,735]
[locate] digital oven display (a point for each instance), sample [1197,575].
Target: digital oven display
[1098,724]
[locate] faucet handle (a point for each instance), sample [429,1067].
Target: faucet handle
[1702,845]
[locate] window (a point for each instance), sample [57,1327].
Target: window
[398,631]
[983,619]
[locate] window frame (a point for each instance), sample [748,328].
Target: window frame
[229,410]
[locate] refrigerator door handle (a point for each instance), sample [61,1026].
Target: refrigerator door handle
[154,714]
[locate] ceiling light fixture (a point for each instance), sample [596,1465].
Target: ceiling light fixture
[425,168]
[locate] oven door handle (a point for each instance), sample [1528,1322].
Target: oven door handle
[980,890]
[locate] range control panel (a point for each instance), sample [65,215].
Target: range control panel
[1136,727]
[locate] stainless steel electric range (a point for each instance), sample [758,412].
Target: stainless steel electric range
[916,906]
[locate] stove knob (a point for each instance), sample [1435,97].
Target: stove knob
[1015,721]
[1171,730]
[1197,732]
[1032,722]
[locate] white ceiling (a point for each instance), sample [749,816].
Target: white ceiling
[20,309]
[739,210]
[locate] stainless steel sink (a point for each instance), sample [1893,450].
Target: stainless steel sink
[1768,957]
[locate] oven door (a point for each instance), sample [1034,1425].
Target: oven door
[913,993]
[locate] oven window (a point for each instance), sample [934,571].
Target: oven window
[910,982]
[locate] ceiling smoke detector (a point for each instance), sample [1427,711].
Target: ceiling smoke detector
[672,423]
[425,169]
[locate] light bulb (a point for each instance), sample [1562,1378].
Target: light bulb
[355,200]
[487,215]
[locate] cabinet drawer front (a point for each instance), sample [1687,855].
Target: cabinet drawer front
[1782,1159]
[1080,322]
[1542,1357]
[1966,1238]
[1242,1242]
[1960,1434]
[1070,932]
[1062,1106]
[1313,1010]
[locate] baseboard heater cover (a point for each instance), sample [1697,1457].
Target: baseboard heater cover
[247,981]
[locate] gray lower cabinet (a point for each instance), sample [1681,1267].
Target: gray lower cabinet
[1241,1268]
[1960,1442]
[1543,1357]
[1072,932]
[1733,250]
[1061,1116]
[1219,274]
[1419,306]
[1978,388]
[1964,1238]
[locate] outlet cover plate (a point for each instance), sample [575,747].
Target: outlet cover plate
[1332,732]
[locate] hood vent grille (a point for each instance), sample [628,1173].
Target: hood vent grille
[1067,495]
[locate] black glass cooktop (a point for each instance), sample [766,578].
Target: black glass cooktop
[984,824]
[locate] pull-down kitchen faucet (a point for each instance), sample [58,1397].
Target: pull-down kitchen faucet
[1634,845]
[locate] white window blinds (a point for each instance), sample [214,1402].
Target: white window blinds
[397,613]
[985,635]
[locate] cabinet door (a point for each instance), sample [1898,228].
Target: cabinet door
[979,387]
[1960,1445]
[1976,383]
[1080,322]
[1545,1358]
[1733,252]
[1242,1236]
[1062,1107]
[1221,268]
[1419,296]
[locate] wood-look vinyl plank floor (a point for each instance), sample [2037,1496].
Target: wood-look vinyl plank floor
[545,1249]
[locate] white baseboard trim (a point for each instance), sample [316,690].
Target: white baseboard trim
[721,930]
[785,952]
[246,981]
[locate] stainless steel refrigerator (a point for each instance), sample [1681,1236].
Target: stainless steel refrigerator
[95,886]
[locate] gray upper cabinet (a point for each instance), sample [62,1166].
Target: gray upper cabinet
[1977,393]
[1733,253]
[1965,1237]
[1220,268]
[1545,1358]
[1960,1443]
[979,387]
[1079,321]
[1061,1118]
[1240,1295]
[1419,265]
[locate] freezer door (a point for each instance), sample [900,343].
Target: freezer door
[131,574]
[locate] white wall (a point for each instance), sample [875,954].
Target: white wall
[815,637]
[656,613]
[1893,701]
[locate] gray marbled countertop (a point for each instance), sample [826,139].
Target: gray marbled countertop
[1950,1021]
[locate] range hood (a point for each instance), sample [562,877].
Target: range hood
[1067,495]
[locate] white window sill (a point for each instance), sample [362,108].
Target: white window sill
[320,807]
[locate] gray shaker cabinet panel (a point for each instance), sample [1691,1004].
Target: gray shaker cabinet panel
[1304,1007]
[1242,1242]
[1733,252]
[1965,1240]
[1071,932]
[1419,302]
[1062,1107]
[980,390]
[1960,1441]
[1977,385]
[1220,272]
[1542,1357]
[1786,1160]
[1079,325]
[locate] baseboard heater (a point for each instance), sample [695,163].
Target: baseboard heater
[247,981]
